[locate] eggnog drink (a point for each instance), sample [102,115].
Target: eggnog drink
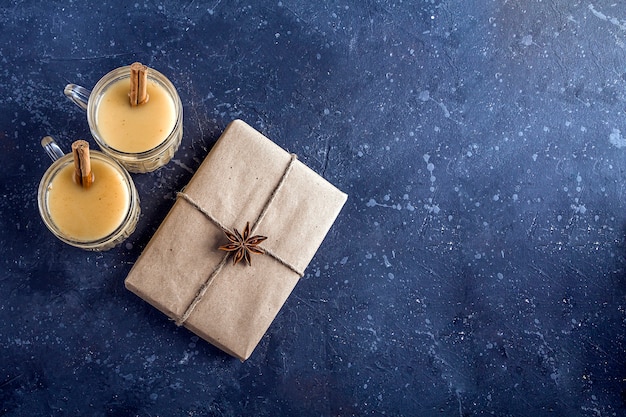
[135,129]
[88,214]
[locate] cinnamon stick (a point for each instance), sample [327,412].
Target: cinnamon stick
[138,84]
[83,175]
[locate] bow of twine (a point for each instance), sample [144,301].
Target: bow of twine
[238,240]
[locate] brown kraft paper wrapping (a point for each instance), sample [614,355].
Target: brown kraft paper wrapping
[245,178]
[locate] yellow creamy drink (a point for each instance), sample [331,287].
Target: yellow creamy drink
[135,129]
[88,214]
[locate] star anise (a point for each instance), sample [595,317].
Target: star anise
[243,246]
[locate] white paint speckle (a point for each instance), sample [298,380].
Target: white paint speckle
[613,20]
[527,40]
[617,139]
[434,208]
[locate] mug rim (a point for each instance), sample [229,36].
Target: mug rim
[102,243]
[132,157]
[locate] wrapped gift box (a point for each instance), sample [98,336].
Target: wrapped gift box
[246,178]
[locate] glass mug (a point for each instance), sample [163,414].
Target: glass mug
[141,143]
[96,219]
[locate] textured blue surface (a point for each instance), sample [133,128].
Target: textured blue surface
[476,269]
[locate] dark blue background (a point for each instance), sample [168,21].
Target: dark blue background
[476,269]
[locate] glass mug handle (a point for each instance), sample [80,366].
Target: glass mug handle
[79,95]
[51,148]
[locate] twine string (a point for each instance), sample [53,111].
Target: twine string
[218,268]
